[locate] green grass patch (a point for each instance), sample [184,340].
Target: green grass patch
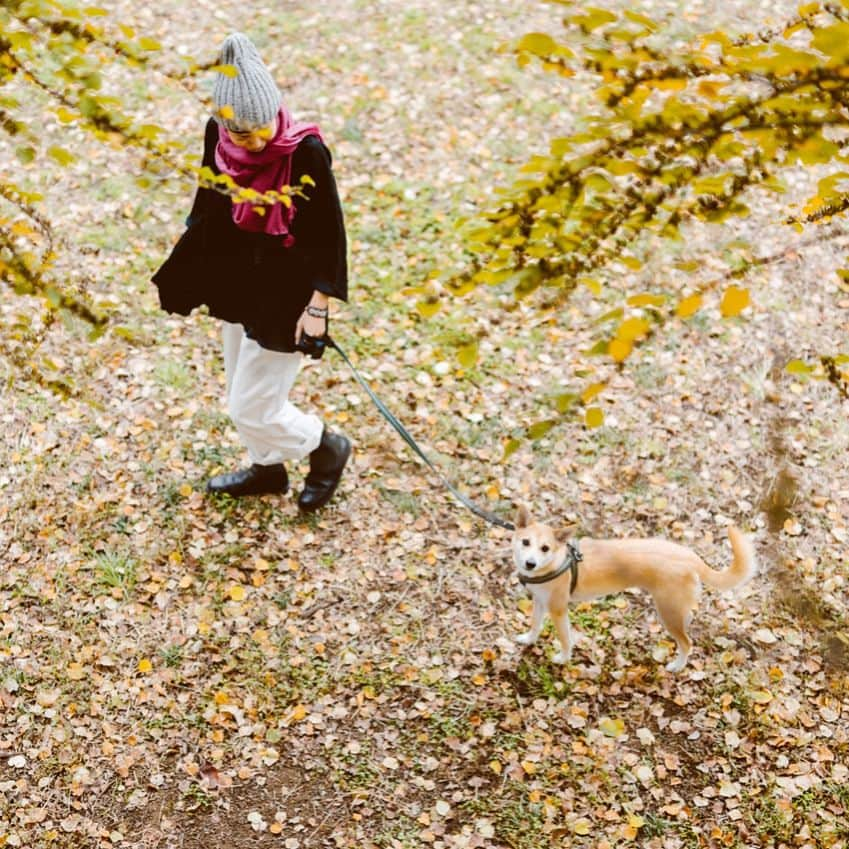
[116,572]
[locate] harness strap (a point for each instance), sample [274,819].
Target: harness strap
[570,562]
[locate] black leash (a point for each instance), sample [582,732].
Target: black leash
[486,515]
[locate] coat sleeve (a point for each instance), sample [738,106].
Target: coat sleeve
[181,278]
[319,226]
[204,197]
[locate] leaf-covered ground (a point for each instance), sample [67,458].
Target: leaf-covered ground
[177,671]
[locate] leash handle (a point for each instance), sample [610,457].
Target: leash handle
[464,499]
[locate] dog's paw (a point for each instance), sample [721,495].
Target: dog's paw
[677,664]
[526,639]
[562,657]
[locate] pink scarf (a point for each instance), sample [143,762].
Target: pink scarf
[268,170]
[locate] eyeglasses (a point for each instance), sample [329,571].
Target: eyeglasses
[265,132]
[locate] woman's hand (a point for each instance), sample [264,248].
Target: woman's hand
[311,325]
[312,322]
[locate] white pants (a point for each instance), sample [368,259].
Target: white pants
[258,385]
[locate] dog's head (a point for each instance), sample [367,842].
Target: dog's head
[535,545]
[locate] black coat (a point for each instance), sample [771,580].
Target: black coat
[251,278]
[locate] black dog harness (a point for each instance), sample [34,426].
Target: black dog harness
[570,563]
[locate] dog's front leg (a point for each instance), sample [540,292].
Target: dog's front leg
[564,634]
[537,617]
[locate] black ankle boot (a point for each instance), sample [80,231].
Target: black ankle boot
[326,465]
[257,480]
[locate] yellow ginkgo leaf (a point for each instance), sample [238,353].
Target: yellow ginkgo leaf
[689,306]
[226,70]
[594,417]
[612,727]
[619,350]
[428,308]
[734,301]
[646,300]
[632,329]
[236,592]
[145,666]
[582,826]
[591,391]
[468,355]
[710,89]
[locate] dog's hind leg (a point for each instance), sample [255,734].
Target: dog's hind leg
[677,619]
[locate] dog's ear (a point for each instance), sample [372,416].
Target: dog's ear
[523,517]
[562,534]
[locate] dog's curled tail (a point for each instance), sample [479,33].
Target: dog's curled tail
[742,568]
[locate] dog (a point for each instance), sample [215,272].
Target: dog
[557,572]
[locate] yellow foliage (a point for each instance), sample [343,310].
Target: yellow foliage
[710,88]
[591,391]
[236,592]
[612,727]
[619,350]
[689,306]
[632,329]
[468,355]
[594,417]
[646,300]
[734,301]
[582,826]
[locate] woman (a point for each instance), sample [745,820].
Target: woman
[267,271]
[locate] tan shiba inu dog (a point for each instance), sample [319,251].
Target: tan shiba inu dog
[555,573]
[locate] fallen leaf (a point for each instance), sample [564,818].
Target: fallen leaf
[612,727]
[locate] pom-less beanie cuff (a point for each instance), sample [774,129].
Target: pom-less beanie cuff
[245,94]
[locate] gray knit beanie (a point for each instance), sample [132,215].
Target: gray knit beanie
[249,98]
